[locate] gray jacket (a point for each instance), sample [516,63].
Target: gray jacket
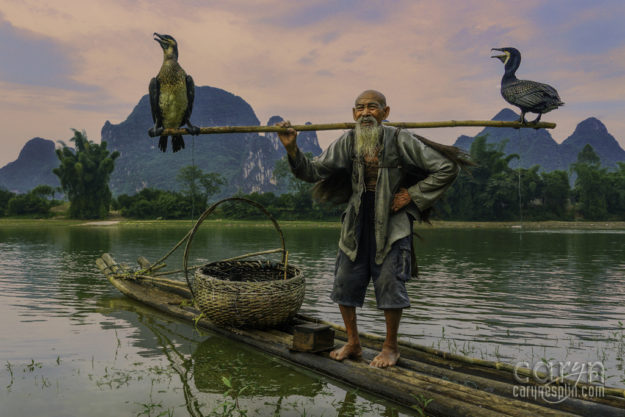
[404,161]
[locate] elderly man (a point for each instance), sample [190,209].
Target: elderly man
[395,177]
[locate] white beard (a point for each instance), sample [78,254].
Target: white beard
[367,138]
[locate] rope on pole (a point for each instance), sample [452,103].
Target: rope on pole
[338,126]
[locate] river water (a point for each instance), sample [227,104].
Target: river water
[71,345]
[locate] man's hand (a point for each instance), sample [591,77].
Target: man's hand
[400,200]
[288,139]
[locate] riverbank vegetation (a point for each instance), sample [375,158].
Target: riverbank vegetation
[490,192]
[493,191]
[84,174]
[34,204]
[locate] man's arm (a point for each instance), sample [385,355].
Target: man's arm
[337,156]
[289,139]
[442,172]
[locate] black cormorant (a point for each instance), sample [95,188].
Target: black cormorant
[171,96]
[529,96]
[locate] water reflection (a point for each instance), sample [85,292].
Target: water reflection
[494,294]
[213,371]
[217,357]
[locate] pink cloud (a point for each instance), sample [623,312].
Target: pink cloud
[432,60]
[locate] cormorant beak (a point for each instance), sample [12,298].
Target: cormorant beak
[503,58]
[159,38]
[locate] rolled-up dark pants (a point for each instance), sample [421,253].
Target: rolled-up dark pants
[389,279]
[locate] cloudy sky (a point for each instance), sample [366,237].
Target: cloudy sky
[77,63]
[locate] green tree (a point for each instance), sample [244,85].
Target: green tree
[615,192]
[199,186]
[494,191]
[530,193]
[84,174]
[501,196]
[588,156]
[556,194]
[151,203]
[36,203]
[489,192]
[591,185]
[44,191]
[5,196]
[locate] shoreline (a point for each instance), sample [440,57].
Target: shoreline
[530,225]
[436,224]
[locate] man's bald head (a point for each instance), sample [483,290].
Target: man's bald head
[370,103]
[372,94]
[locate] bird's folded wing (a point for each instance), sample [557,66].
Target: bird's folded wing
[155,91]
[190,96]
[530,94]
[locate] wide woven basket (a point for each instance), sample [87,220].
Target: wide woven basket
[249,293]
[246,293]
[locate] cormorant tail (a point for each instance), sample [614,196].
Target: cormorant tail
[177,143]
[162,143]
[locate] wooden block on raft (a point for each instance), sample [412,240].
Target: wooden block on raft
[312,337]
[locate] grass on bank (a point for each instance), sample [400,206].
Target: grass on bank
[114,220]
[59,218]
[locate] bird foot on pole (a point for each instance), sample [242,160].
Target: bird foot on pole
[194,130]
[155,131]
[535,121]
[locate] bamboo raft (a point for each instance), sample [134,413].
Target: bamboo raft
[432,381]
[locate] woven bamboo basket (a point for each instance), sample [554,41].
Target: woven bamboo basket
[249,293]
[246,293]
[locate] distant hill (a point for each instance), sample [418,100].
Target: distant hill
[246,160]
[537,147]
[593,132]
[32,167]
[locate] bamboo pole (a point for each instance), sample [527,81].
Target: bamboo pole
[340,126]
[176,246]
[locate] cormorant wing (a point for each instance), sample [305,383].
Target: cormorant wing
[532,94]
[190,97]
[155,92]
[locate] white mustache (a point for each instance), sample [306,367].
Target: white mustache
[366,119]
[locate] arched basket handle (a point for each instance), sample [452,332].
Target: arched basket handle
[211,209]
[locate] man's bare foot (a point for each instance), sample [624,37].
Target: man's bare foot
[388,357]
[347,352]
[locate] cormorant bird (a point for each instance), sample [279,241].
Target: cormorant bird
[529,96]
[171,96]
